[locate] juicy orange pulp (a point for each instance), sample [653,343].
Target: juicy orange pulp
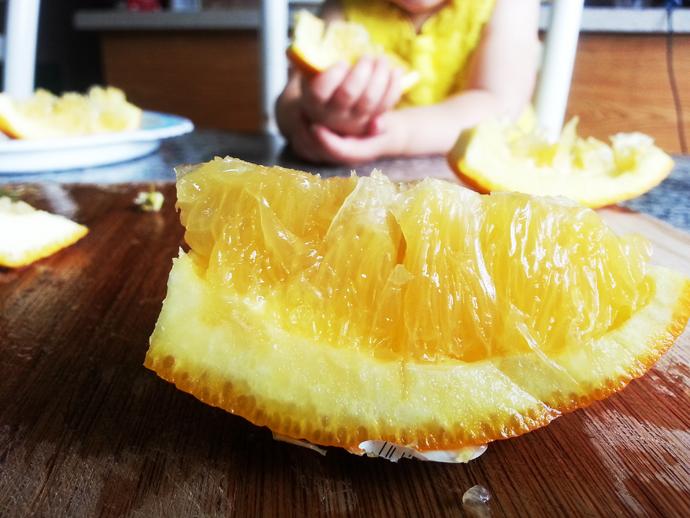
[44,115]
[423,272]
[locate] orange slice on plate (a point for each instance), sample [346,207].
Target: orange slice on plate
[317,46]
[351,309]
[44,115]
[27,234]
[501,156]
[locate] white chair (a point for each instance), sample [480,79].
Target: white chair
[274,21]
[558,59]
[20,47]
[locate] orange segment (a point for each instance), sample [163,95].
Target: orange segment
[354,309]
[27,234]
[499,156]
[44,115]
[317,46]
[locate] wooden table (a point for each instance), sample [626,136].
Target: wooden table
[86,430]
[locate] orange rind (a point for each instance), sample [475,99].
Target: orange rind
[499,156]
[27,234]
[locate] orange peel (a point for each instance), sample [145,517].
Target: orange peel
[28,234]
[499,156]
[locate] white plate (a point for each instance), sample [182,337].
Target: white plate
[32,156]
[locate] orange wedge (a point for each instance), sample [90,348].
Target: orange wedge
[353,309]
[317,46]
[500,156]
[27,234]
[102,110]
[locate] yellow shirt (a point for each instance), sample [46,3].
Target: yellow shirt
[439,52]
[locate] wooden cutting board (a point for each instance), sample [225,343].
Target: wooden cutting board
[86,430]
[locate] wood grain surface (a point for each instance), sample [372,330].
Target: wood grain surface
[86,430]
[210,77]
[621,84]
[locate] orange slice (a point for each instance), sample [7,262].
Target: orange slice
[500,156]
[102,110]
[27,234]
[317,46]
[353,309]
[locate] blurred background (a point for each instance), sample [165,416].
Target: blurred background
[201,59]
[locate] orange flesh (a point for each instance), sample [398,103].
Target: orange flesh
[468,277]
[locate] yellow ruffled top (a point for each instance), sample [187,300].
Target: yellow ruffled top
[439,52]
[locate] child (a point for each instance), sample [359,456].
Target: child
[475,58]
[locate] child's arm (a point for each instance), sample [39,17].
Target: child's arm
[501,82]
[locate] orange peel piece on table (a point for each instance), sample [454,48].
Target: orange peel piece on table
[28,234]
[497,156]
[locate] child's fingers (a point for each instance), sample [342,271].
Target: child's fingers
[378,84]
[376,125]
[303,148]
[305,151]
[354,84]
[320,88]
[346,150]
[337,148]
[393,91]
[305,144]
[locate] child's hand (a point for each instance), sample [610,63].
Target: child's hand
[317,143]
[347,100]
[304,142]
[339,149]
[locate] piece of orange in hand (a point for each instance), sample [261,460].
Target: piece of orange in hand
[502,156]
[27,234]
[317,46]
[349,309]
